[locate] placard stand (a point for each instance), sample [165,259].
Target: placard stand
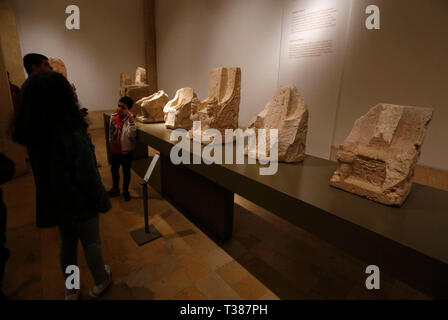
[149,232]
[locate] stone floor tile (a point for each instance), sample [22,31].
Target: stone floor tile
[170,285]
[215,288]
[269,296]
[250,288]
[200,244]
[152,272]
[232,272]
[217,258]
[195,266]
[189,293]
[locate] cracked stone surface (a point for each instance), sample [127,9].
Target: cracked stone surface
[151,107]
[221,108]
[58,66]
[140,76]
[125,80]
[137,92]
[178,110]
[288,113]
[378,157]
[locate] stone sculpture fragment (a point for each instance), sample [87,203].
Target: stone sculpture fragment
[378,157]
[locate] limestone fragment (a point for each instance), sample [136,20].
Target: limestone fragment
[220,109]
[152,107]
[125,80]
[140,76]
[378,157]
[136,91]
[58,66]
[178,110]
[288,113]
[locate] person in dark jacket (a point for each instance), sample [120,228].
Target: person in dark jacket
[7,169]
[69,190]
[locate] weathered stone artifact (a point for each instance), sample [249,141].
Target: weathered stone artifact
[140,76]
[139,89]
[125,80]
[136,91]
[220,109]
[377,159]
[178,110]
[152,107]
[58,66]
[288,113]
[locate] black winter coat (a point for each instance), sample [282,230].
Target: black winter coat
[68,186]
[7,169]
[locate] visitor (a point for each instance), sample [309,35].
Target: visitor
[69,190]
[6,174]
[122,133]
[35,63]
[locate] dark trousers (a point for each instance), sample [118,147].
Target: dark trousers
[4,253]
[125,161]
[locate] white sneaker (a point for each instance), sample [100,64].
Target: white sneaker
[99,289]
[72,294]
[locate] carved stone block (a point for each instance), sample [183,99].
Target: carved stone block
[152,107]
[140,76]
[378,157]
[178,110]
[125,80]
[137,91]
[58,66]
[220,109]
[288,113]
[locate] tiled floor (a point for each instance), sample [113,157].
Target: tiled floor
[267,257]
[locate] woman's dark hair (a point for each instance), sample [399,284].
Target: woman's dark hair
[47,109]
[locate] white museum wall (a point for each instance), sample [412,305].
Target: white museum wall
[404,63]
[195,36]
[11,149]
[110,41]
[312,58]
[9,39]
[401,63]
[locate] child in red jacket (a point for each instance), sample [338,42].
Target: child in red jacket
[122,133]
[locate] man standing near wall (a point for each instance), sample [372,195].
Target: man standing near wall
[35,63]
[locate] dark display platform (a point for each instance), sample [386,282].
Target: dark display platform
[410,243]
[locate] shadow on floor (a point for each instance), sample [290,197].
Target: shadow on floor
[295,264]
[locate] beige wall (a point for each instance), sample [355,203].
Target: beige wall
[10,42]
[317,78]
[15,152]
[195,36]
[405,63]
[110,41]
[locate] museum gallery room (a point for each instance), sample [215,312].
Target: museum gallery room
[223,150]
